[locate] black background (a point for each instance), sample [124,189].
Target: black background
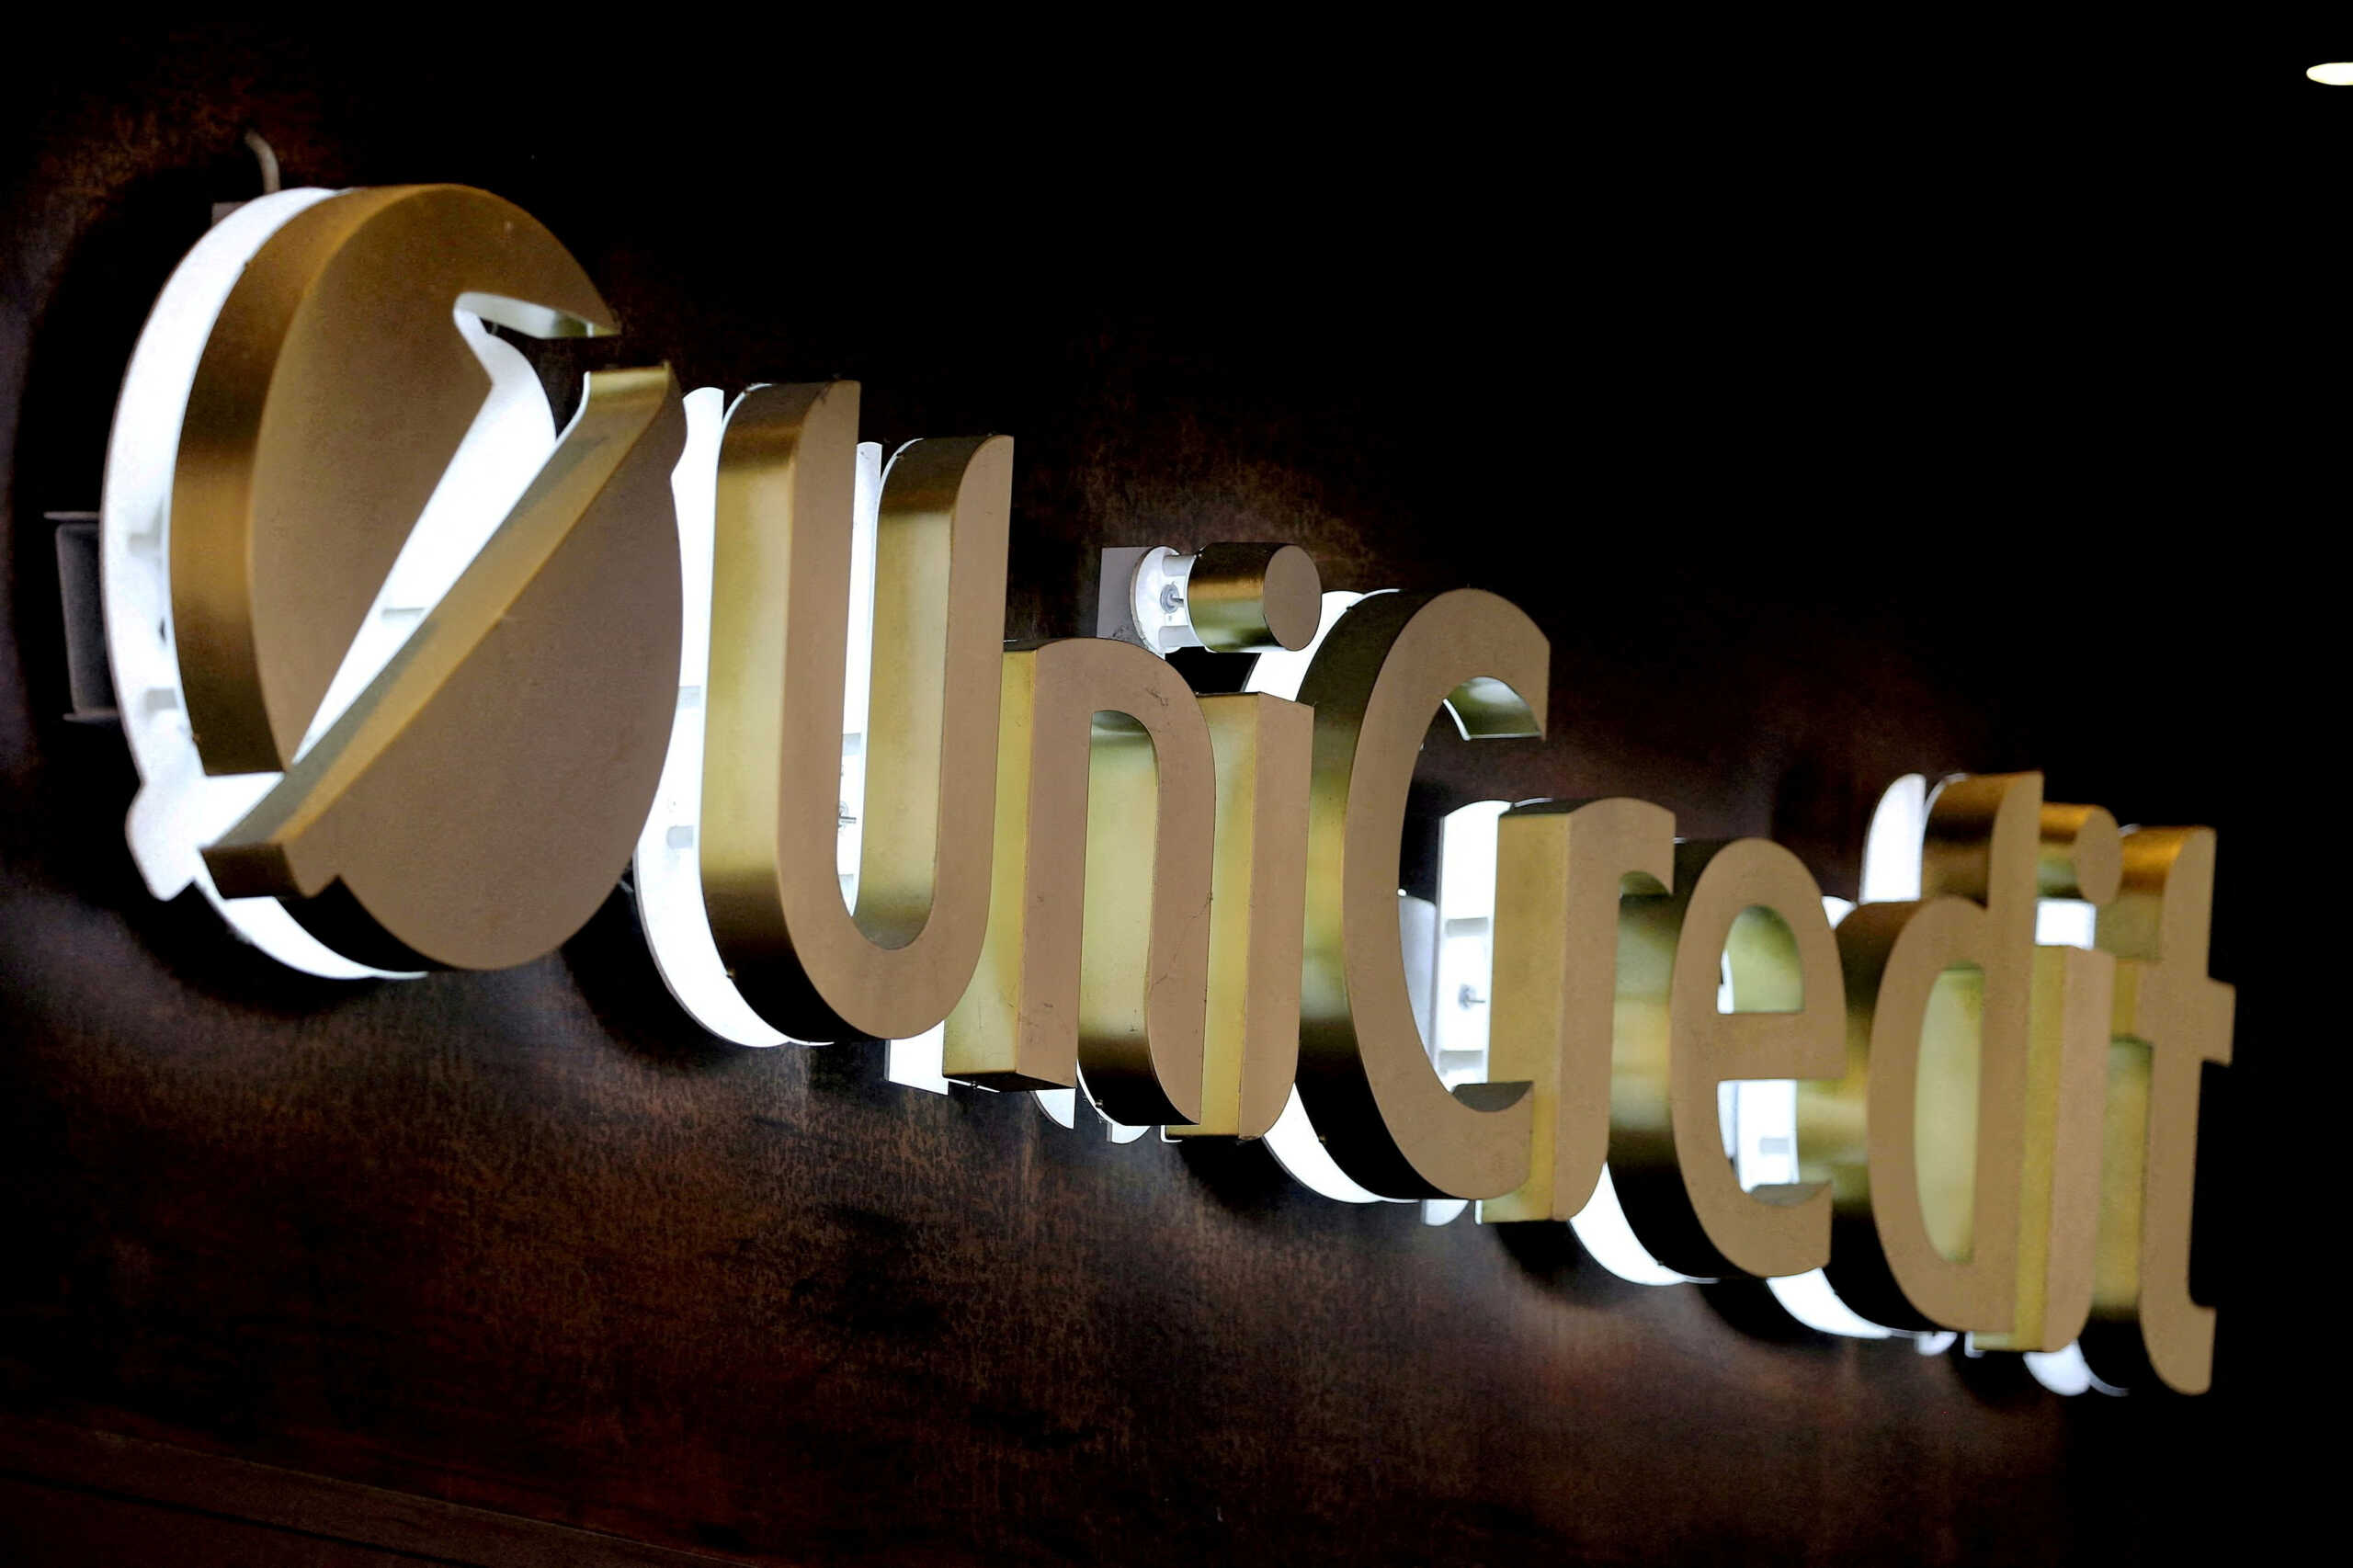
[1842,402]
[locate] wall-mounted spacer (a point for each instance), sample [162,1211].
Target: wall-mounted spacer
[1227,599]
[89,681]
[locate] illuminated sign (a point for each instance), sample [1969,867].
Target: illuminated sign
[412,677]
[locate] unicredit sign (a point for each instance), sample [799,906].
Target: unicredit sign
[412,676]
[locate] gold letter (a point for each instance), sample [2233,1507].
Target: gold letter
[779,628]
[1754,904]
[1560,870]
[1097,946]
[1969,1204]
[477,801]
[2067,1047]
[1263,746]
[2171,1019]
[1364,1077]
[1938,1004]
[333,393]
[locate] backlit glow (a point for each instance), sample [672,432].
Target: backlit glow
[179,808]
[667,869]
[666,873]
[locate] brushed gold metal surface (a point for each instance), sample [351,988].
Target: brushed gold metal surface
[1179,904]
[2059,1173]
[1264,747]
[2073,995]
[1097,952]
[2171,1019]
[2081,854]
[1254,597]
[1381,676]
[772,752]
[1938,994]
[1752,907]
[332,393]
[1995,1045]
[457,813]
[1560,870]
[478,800]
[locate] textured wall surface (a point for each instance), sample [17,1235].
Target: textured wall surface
[1821,458]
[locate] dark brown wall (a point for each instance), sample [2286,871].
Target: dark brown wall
[1822,457]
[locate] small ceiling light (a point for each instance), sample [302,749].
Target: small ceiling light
[2338,75]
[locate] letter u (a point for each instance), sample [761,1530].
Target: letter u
[895,965]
